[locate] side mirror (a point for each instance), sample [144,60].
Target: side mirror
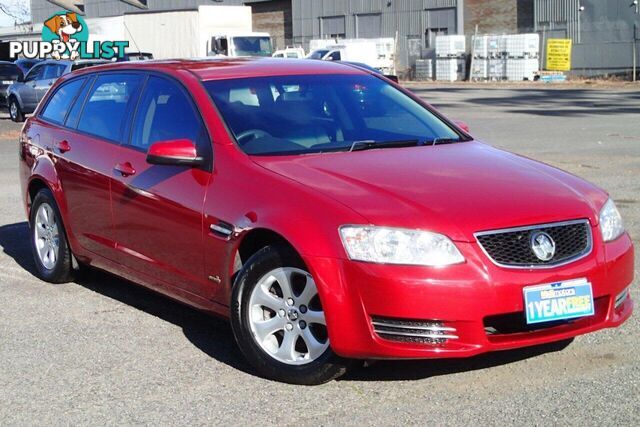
[462,125]
[177,152]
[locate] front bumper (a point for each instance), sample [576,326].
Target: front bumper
[465,298]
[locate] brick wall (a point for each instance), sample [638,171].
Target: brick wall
[274,17]
[498,16]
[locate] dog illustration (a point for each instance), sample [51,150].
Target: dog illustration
[64,26]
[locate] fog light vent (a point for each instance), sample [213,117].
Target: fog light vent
[414,331]
[621,298]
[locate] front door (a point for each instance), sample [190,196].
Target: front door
[157,209]
[27,90]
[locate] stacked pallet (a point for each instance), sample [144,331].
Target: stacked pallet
[513,57]
[424,69]
[450,58]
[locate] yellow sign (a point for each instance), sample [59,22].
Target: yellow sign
[559,54]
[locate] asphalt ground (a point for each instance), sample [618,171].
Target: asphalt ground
[103,351]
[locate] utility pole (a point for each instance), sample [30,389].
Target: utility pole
[636,5]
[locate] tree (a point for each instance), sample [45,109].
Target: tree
[18,10]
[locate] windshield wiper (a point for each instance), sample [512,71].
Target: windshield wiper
[436,141]
[370,144]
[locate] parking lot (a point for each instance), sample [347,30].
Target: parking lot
[103,351]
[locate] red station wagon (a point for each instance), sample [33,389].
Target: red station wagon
[329,213]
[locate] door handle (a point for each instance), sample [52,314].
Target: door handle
[125,169]
[63,146]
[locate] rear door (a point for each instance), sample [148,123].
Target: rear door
[50,73]
[86,147]
[157,209]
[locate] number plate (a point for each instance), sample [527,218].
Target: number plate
[558,301]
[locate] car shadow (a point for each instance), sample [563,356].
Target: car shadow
[210,334]
[400,370]
[213,336]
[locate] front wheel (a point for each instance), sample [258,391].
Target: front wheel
[15,112]
[278,320]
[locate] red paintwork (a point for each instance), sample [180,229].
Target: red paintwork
[150,224]
[179,148]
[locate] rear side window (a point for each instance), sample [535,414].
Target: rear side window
[166,113]
[58,106]
[53,71]
[106,108]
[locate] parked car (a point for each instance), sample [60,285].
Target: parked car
[26,64]
[9,74]
[331,215]
[24,95]
[289,52]
[135,56]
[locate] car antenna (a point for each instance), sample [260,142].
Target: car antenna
[131,37]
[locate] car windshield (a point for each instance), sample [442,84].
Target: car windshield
[319,113]
[318,54]
[252,46]
[9,72]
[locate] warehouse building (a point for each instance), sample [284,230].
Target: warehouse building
[603,31]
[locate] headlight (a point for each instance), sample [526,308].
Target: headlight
[611,224]
[387,245]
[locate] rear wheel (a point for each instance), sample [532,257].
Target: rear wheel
[49,244]
[15,112]
[278,320]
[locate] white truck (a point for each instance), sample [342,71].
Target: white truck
[207,30]
[377,53]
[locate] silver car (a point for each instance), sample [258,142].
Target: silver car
[23,97]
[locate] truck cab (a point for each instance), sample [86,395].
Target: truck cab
[241,45]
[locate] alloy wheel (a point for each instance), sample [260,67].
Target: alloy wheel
[13,110]
[46,236]
[286,318]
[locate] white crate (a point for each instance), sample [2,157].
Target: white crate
[450,46]
[450,69]
[519,69]
[424,69]
[479,69]
[523,45]
[480,46]
[496,45]
[497,69]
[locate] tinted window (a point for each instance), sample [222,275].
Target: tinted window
[9,72]
[105,110]
[165,113]
[34,73]
[304,114]
[52,71]
[76,109]
[61,100]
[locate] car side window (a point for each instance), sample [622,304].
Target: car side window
[105,110]
[166,113]
[52,71]
[59,103]
[34,73]
[74,115]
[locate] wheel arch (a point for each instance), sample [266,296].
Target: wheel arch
[253,241]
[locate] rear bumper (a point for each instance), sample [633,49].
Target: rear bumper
[461,298]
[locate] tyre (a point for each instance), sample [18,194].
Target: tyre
[278,320]
[15,112]
[49,244]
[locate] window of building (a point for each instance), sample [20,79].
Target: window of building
[369,25]
[333,27]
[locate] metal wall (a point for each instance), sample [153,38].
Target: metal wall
[41,9]
[408,20]
[602,32]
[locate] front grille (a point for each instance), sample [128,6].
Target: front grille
[512,247]
[413,331]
